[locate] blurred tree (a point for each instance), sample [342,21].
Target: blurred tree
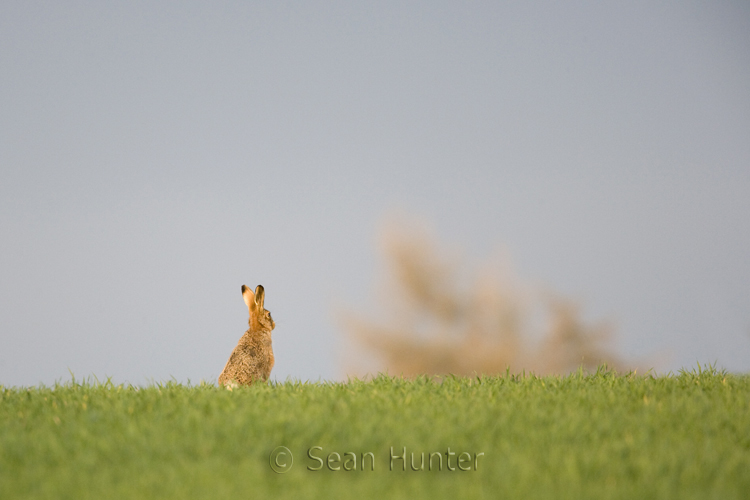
[432,320]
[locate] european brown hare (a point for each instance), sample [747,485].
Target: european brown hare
[252,359]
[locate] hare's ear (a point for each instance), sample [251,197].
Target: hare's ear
[260,295]
[249,297]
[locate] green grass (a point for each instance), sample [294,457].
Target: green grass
[581,436]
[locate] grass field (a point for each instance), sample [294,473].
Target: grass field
[580,436]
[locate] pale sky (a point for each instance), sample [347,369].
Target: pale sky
[155,156]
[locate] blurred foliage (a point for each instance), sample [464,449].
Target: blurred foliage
[431,318]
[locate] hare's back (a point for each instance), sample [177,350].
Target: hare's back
[250,361]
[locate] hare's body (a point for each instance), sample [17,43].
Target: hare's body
[252,359]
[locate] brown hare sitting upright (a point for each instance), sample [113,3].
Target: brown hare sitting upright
[252,359]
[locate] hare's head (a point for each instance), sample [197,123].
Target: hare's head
[259,317]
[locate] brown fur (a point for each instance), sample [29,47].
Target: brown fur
[252,359]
